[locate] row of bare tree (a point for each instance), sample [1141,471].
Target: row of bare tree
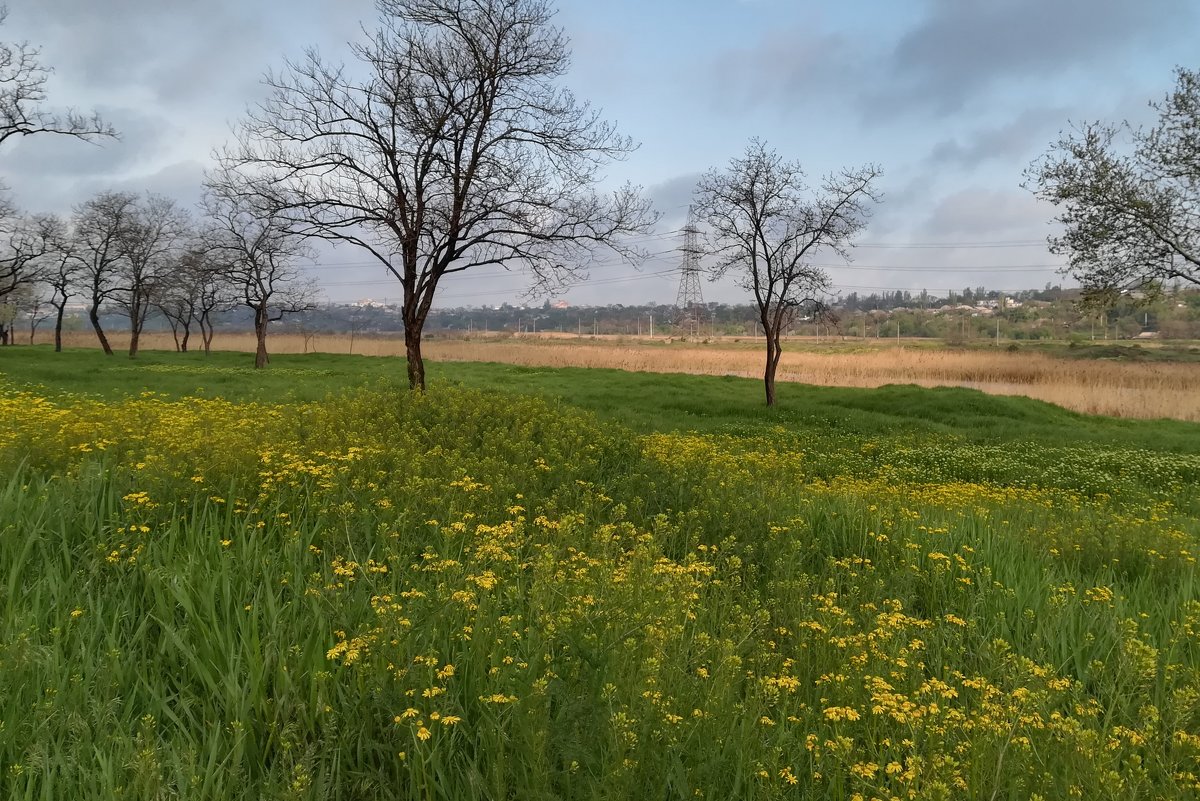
[146,253]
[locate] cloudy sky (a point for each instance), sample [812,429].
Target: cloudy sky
[953,98]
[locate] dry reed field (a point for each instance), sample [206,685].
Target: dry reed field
[1119,389]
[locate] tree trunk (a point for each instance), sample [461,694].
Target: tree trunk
[412,350]
[58,318]
[187,334]
[261,359]
[773,325]
[94,316]
[206,332]
[136,317]
[769,371]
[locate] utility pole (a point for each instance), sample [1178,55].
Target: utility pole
[652,325]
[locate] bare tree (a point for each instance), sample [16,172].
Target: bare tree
[457,150]
[767,224]
[213,296]
[1128,198]
[64,266]
[99,226]
[23,95]
[150,241]
[35,307]
[259,247]
[24,244]
[176,297]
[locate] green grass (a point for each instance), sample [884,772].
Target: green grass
[647,587]
[643,401]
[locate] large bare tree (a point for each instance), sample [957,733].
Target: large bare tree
[23,97]
[1128,198]
[766,224]
[99,225]
[456,149]
[257,247]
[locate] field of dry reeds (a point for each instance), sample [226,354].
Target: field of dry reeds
[1120,389]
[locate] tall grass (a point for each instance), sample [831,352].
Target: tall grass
[475,595]
[1120,389]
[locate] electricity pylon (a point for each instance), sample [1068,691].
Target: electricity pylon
[689,302]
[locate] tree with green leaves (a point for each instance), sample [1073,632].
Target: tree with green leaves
[1128,198]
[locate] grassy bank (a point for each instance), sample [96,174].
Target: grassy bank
[535,583]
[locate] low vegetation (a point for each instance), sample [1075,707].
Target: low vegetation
[899,593]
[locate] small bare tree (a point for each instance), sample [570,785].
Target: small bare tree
[24,244]
[23,95]
[766,224]
[35,307]
[62,272]
[150,241]
[457,150]
[258,247]
[99,225]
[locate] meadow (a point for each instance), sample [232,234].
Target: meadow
[1119,379]
[557,583]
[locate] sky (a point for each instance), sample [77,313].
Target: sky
[953,98]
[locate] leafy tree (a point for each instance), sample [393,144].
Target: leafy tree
[766,224]
[1128,198]
[457,149]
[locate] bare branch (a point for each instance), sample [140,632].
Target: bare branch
[23,95]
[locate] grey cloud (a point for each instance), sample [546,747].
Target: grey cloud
[963,49]
[1013,141]
[51,173]
[672,197]
[980,214]
[182,51]
[789,69]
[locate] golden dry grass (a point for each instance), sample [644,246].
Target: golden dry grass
[1119,389]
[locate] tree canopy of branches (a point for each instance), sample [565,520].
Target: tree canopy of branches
[25,244]
[62,271]
[99,224]
[257,249]
[457,149]
[23,96]
[766,224]
[1128,199]
[150,241]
